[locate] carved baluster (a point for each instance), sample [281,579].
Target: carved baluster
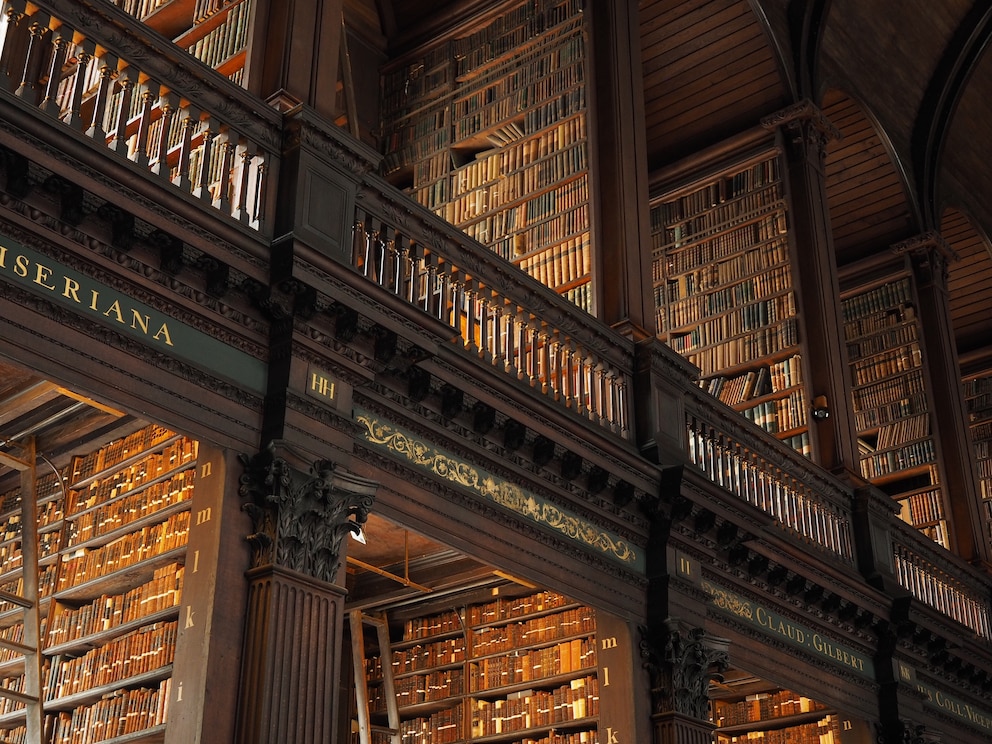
[34,58]
[126,78]
[187,125]
[499,352]
[61,44]
[246,154]
[167,104]
[10,34]
[521,342]
[84,56]
[261,189]
[149,94]
[227,142]
[107,64]
[201,165]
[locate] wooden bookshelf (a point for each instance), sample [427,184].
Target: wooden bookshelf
[113,538]
[978,401]
[891,403]
[724,292]
[775,717]
[511,669]
[488,129]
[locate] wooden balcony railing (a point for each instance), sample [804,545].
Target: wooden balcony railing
[779,481]
[85,69]
[88,67]
[502,316]
[941,580]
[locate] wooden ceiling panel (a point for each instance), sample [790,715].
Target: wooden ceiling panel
[709,72]
[866,196]
[969,282]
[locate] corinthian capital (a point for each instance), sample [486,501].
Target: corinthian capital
[807,130]
[300,513]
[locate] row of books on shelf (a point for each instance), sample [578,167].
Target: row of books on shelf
[561,166]
[445,684]
[47,486]
[753,246]
[702,199]
[564,658]
[125,551]
[893,433]
[742,329]
[504,637]
[121,713]
[491,166]
[176,455]
[825,731]
[765,203]
[407,88]
[755,383]
[102,520]
[140,8]
[580,296]
[429,655]
[509,608]
[513,29]
[924,507]
[979,388]
[535,708]
[780,414]
[227,39]
[903,333]
[118,452]
[537,236]
[10,551]
[879,464]
[141,651]
[744,349]
[729,269]
[112,610]
[755,308]
[566,196]
[903,390]
[885,365]
[893,295]
[15,585]
[561,264]
[762,706]
[428,626]
[871,418]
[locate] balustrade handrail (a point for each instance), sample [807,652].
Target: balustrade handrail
[94,69]
[503,316]
[749,462]
[941,579]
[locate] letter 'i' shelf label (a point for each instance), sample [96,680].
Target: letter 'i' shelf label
[47,278]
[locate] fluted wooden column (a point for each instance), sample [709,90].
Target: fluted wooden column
[295,615]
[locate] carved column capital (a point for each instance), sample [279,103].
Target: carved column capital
[807,130]
[931,256]
[300,518]
[682,661]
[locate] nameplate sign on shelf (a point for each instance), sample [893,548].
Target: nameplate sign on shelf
[789,631]
[949,704]
[90,298]
[424,455]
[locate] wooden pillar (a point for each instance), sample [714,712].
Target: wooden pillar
[204,694]
[929,256]
[622,243]
[295,615]
[297,54]
[805,132]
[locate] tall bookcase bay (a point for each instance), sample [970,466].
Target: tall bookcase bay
[724,291]
[488,129]
[114,527]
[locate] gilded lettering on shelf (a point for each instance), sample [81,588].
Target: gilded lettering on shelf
[955,707]
[791,632]
[71,289]
[498,491]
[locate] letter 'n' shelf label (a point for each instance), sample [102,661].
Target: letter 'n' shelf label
[46,277]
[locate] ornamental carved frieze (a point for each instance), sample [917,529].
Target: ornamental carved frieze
[899,732]
[681,663]
[300,518]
